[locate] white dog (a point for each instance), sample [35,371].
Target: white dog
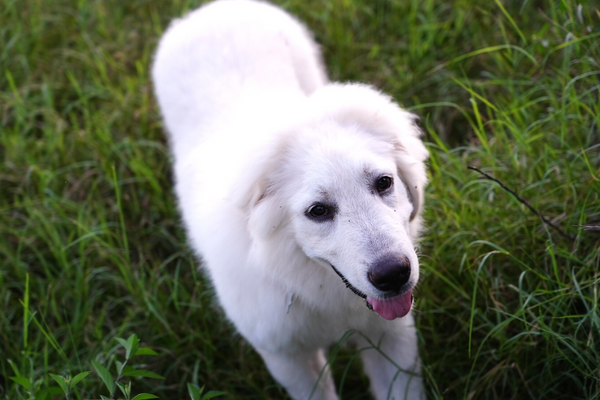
[302,197]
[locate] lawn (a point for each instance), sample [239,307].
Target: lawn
[92,250]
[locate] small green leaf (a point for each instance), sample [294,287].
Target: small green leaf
[25,382]
[211,394]
[125,389]
[145,351]
[135,346]
[129,371]
[104,398]
[144,396]
[118,366]
[126,370]
[75,380]
[61,382]
[133,343]
[194,392]
[105,376]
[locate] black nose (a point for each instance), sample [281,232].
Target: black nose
[390,273]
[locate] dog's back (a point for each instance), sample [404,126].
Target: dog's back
[217,58]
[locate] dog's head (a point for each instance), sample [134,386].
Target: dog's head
[347,187]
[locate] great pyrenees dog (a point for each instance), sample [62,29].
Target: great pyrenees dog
[302,197]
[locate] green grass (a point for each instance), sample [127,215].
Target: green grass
[91,248]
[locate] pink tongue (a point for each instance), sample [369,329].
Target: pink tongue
[396,307]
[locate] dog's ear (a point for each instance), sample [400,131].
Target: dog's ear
[257,194]
[266,213]
[379,115]
[410,157]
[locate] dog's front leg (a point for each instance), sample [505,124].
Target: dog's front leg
[391,360]
[304,375]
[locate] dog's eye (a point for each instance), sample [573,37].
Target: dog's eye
[320,211]
[384,183]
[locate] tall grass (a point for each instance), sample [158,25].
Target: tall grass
[91,247]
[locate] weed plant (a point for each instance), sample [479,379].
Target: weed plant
[91,247]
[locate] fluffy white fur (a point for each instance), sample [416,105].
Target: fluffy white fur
[258,137]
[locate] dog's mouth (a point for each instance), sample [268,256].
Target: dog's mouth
[391,308]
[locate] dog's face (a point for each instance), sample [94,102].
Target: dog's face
[345,199]
[352,212]
[350,196]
